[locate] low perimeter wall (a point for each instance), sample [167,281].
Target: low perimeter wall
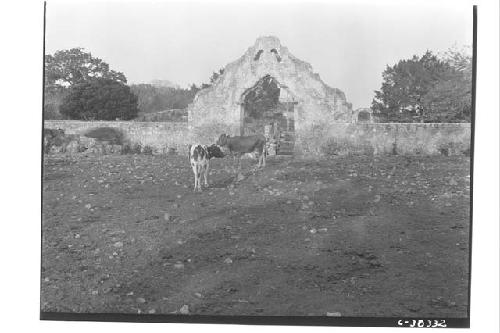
[160,135]
[385,138]
[325,139]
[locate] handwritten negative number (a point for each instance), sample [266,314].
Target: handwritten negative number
[422,323]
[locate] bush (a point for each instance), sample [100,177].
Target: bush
[136,148]
[50,112]
[147,150]
[53,96]
[394,148]
[52,137]
[100,99]
[112,135]
[126,149]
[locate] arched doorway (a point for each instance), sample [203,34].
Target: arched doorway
[268,108]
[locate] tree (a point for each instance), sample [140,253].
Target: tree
[427,89]
[100,99]
[69,67]
[52,100]
[404,85]
[450,100]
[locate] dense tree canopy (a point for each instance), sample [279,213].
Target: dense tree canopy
[450,100]
[100,99]
[426,89]
[73,77]
[69,67]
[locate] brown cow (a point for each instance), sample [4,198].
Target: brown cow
[240,145]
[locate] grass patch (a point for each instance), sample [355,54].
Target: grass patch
[147,150]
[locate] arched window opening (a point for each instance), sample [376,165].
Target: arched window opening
[257,56]
[276,55]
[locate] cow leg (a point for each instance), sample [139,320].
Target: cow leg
[207,166]
[199,177]
[195,171]
[234,162]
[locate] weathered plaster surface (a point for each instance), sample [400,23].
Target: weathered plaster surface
[219,107]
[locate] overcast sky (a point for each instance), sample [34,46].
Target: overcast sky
[348,44]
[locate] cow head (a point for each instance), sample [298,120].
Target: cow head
[214,151]
[222,141]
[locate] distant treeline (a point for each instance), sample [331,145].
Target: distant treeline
[81,86]
[154,98]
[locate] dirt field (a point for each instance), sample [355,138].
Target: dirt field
[349,236]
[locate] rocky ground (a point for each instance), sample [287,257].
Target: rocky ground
[349,236]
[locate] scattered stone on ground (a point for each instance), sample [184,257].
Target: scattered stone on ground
[297,242]
[184,310]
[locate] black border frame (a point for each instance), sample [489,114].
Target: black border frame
[251,320]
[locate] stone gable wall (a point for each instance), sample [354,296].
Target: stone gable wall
[220,104]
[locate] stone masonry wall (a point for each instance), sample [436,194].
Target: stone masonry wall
[317,140]
[155,134]
[385,138]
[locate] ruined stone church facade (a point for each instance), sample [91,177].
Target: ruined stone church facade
[303,100]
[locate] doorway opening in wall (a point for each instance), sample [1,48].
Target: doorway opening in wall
[268,110]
